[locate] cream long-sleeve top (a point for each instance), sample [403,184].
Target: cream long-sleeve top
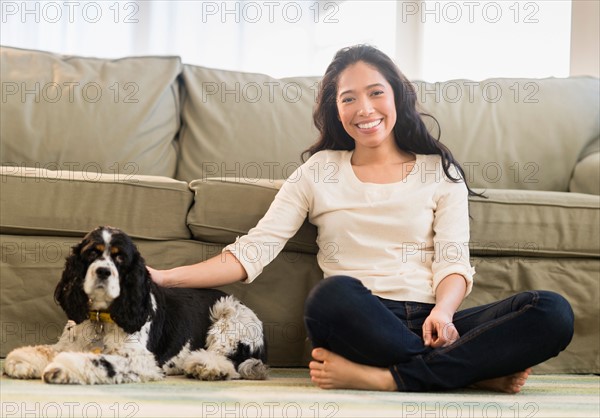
[399,239]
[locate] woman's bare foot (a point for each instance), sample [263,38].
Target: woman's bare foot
[332,371]
[509,384]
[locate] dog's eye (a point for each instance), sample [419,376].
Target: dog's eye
[93,254]
[119,258]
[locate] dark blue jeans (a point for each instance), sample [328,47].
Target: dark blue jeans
[496,340]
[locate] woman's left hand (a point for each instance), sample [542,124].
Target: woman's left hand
[438,329]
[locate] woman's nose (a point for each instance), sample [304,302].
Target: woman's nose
[365,108]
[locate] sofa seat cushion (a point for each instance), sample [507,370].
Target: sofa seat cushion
[227,208]
[535,223]
[65,112]
[70,203]
[508,222]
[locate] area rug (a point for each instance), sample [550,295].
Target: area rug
[289,393]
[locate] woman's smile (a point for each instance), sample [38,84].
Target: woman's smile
[366,106]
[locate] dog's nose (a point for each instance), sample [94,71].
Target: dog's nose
[102,273]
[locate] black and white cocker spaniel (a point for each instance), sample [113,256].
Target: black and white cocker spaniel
[124,328]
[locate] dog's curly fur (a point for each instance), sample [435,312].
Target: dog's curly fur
[151,330]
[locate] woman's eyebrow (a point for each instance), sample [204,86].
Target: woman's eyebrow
[370,86]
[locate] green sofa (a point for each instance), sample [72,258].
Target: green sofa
[186,158]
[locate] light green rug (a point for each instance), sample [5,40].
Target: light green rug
[289,393]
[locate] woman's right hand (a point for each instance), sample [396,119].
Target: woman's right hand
[217,271]
[158,276]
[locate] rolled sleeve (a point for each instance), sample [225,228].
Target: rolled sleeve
[451,233]
[467,273]
[282,220]
[247,255]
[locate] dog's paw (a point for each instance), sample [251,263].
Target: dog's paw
[204,365]
[203,372]
[57,373]
[20,369]
[27,362]
[68,368]
[253,369]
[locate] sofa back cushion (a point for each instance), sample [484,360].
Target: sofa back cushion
[522,134]
[242,125]
[86,114]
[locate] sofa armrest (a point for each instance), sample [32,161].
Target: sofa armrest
[586,174]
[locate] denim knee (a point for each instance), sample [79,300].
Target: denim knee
[330,296]
[559,316]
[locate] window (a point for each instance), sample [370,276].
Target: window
[434,40]
[483,39]
[280,38]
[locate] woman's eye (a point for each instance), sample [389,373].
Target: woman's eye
[377,93]
[347,99]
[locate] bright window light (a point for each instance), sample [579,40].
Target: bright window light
[483,39]
[473,39]
[279,38]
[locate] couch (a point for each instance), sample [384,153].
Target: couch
[186,158]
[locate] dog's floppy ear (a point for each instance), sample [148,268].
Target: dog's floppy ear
[69,292]
[132,308]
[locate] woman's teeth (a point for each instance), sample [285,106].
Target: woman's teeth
[369,125]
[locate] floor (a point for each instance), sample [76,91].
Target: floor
[289,393]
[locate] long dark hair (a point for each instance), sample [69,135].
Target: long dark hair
[410,133]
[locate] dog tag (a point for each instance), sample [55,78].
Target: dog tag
[97,343]
[96,350]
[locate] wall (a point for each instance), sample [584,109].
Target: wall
[585,38]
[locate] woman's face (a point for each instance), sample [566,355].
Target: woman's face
[365,104]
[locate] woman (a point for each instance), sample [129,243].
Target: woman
[391,206]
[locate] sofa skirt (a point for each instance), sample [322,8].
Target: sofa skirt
[31,266]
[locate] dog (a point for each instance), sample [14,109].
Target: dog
[124,328]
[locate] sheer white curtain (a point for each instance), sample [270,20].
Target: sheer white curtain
[280,38]
[483,39]
[433,40]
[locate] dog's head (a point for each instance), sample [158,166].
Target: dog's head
[105,271]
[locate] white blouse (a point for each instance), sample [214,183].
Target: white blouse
[399,239]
